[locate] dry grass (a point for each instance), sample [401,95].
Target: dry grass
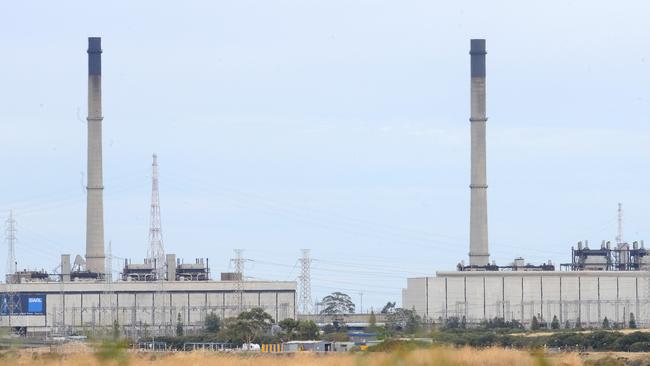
[420,357]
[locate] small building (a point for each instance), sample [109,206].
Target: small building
[362,338]
[308,346]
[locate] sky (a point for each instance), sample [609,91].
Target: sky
[337,126]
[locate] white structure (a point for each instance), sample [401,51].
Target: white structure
[156,252]
[478,233]
[81,299]
[138,307]
[588,296]
[10,232]
[481,292]
[305,305]
[95,189]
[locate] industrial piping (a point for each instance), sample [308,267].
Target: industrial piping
[95,188]
[478,234]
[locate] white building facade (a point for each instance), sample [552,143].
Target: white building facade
[587,296]
[137,308]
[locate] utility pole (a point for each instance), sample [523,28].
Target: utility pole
[619,236]
[156,252]
[109,264]
[12,304]
[239,285]
[10,235]
[109,285]
[305,304]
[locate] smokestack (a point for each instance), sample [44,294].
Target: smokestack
[478,234]
[65,267]
[95,189]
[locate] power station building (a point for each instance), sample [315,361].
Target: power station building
[148,298]
[605,281]
[138,307]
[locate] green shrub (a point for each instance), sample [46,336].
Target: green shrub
[113,351]
[391,345]
[640,347]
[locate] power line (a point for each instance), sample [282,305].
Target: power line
[349,225]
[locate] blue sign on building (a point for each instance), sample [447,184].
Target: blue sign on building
[35,304]
[22,304]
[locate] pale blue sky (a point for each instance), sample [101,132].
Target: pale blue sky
[340,126]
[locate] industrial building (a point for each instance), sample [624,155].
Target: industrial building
[137,307]
[610,281]
[147,298]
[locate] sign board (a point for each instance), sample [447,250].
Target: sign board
[22,304]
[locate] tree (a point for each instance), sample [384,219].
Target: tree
[337,303]
[212,323]
[258,317]
[555,323]
[179,326]
[405,320]
[240,331]
[339,325]
[329,328]
[388,308]
[372,319]
[501,323]
[453,322]
[632,321]
[534,324]
[413,322]
[372,322]
[307,330]
[303,329]
[606,323]
[248,326]
[288,327]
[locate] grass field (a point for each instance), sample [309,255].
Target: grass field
[419,357]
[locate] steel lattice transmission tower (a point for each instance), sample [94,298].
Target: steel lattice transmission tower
[239,285]
[156,252]
[12,303]
[305,304]
[10,235]
[109,264]
[619,235]
[109,294]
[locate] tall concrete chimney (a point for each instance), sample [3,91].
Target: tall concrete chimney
[95,189]
[478,233]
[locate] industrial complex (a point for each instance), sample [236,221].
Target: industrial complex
[147,298]
[609,280]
